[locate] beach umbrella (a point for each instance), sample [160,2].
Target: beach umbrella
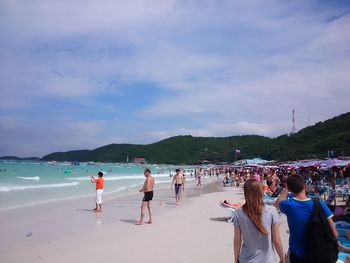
[312,163]
[329,162]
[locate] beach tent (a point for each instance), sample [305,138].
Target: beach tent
[326,163]
[255,161]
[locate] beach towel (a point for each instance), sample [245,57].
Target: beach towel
[342,256]
[269,200]
[342,224]
[341,232]
[344,241]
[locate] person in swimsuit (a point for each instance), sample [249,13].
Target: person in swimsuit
[179,181]
[147,189]
[199,178]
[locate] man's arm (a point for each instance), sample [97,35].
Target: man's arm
[281,197]
[329,215]
[172,183]
[333,228]
[183,182]
[277,242]
[93,180]
[143,189]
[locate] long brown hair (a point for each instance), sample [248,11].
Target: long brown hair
[254,203]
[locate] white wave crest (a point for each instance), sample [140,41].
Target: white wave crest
[37,178]
[116,178]
[39,186]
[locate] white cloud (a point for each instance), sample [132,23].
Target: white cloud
[312,78]
[36,138]
[222,67]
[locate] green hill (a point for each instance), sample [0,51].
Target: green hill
[311,142]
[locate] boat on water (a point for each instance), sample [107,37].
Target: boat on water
[140,160]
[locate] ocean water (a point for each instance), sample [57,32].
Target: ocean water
[24,183]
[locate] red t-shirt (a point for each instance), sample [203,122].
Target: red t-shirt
[266,188]
[99,183]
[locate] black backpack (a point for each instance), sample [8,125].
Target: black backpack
[321,246]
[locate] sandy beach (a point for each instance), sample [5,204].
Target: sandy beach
[68,231]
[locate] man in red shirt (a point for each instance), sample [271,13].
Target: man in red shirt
[99,190]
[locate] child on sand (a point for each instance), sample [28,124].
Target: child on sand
[99,190]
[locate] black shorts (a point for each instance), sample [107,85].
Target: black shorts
[178,188]
[148,196]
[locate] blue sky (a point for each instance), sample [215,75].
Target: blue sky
[82,74]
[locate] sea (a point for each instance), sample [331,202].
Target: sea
[26,183]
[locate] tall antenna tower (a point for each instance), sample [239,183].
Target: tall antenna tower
[293,122]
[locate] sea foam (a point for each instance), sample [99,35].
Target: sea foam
[37,178]
[39,186]
[116,178]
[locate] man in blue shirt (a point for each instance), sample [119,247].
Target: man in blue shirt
[298,209]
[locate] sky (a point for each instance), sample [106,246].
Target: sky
[82,74]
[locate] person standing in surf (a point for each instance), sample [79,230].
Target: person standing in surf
[179,181]
[199,178]
[147,189]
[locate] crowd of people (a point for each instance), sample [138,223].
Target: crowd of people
[313,233]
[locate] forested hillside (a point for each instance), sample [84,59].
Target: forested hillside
[311,142]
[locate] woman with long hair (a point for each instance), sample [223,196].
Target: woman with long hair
[256,230]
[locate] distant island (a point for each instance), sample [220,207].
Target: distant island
[317,141]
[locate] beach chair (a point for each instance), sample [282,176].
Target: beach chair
[342,256]
[341,191]
[319,195]
[346,194]
[269,200]
[341,232]
[339,181]
[342,225]
[331,198]
[323,190]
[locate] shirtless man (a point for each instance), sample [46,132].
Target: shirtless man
[199,178]
[179,181]
[147,189]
